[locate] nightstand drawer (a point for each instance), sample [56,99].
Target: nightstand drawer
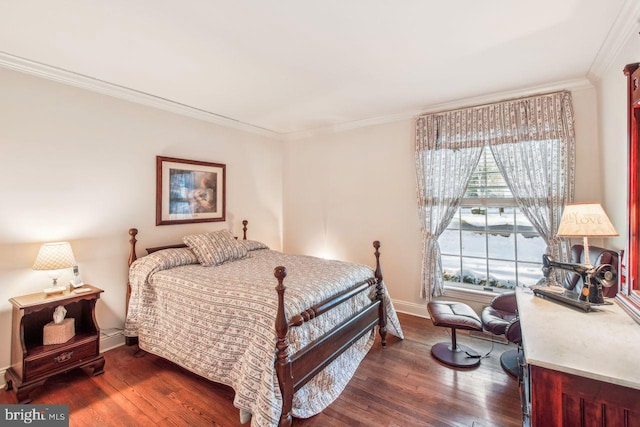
[56,360]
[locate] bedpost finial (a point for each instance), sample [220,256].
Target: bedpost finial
[280,272]
[132,246]
[244,229]
[378,272]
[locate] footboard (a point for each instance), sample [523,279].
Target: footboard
[294,371]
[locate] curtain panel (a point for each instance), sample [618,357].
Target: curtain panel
[532,140]
[445,164]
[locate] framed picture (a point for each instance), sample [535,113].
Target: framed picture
[189,191]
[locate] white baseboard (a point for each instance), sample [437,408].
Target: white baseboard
[477,301]
[412,308]
[109,343]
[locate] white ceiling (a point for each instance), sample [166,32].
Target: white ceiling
[291,66]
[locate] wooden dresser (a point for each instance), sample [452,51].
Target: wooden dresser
[580,369]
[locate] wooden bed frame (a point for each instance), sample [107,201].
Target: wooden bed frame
[295,370]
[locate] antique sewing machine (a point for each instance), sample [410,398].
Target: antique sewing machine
[593,277]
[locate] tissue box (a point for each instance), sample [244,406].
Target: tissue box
[58,333]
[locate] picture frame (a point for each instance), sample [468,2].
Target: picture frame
[189,191]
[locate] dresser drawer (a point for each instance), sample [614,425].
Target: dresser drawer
[61,359]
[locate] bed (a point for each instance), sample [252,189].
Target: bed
[285,353]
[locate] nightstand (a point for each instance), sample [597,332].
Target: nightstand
[33,363]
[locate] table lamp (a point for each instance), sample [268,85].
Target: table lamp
[585,220]
[54,258]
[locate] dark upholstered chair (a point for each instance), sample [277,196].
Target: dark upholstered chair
[597,256]
[500,311]
[454,315]
[500,317]
[510,359]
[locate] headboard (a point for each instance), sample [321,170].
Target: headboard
[133,232]
[132,243]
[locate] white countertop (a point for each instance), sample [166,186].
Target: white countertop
[603,344]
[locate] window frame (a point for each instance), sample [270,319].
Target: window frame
[486,202]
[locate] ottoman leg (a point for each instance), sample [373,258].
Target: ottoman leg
[454,354]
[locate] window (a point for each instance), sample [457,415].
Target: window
[490,244]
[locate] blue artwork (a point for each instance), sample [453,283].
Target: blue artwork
[192,192]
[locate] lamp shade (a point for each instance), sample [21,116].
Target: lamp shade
[585,220]
[54,256]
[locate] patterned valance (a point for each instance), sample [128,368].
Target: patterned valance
[534,118]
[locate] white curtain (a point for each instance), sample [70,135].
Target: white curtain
[533,142]
[444,164]
[537,162]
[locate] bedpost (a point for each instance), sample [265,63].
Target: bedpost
[283,361]
[382,313]
[244,229]
[132,257]
[132,245]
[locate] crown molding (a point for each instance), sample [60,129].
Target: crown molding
[625,24]
[95,85]
[341,127]
[570,85]
[60,75]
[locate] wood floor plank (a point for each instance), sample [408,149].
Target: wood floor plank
[401,385]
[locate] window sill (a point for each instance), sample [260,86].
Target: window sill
[479,296]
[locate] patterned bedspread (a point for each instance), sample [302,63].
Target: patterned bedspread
[219,322]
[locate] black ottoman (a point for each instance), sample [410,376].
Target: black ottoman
[454,315]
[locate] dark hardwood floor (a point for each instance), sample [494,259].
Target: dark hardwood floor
[401,385]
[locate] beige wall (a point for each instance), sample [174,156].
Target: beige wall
[344,190]
[612,96]
[80,166]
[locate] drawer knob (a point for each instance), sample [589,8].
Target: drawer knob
[63,357]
